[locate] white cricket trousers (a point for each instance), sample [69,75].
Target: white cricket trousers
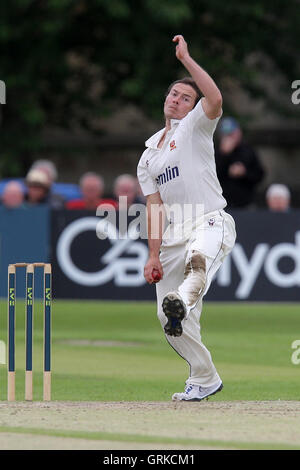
[214,239]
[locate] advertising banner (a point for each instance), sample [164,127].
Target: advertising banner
[24,237]
[265,262]
[89,267]
[263,266]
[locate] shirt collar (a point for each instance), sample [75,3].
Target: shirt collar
[154,139]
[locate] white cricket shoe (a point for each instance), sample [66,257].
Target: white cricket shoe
[196,392]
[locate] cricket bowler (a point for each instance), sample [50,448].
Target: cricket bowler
[178,169]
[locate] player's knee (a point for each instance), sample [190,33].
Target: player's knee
[195,273]
[195,264]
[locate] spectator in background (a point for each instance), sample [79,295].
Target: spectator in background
[278,198]
[125,185]
[38,186]
[238,166]
[92,189]
[48,167]
[13,195]
[38,190]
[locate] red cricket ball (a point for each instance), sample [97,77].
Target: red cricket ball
[156,275]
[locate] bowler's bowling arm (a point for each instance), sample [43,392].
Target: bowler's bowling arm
[212,101]
[155,223]
[155,226]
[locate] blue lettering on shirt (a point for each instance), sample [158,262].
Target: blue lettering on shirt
[167,175]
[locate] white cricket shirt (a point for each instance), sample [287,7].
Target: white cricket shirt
[184,169]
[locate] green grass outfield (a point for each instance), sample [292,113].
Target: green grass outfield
[116,351]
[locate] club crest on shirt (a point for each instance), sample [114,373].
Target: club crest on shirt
[211,221]
[147,163]
[172,145]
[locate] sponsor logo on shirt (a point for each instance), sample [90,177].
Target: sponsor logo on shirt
[168,175]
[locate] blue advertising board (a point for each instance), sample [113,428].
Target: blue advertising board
[24,237]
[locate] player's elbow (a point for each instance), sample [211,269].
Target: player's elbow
[217,100]
[154,199]
[213,105]
[216,104]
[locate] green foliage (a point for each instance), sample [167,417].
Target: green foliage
[54,54]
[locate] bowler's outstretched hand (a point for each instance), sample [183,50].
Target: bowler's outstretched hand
[181,48]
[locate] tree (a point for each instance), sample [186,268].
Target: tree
[65,62]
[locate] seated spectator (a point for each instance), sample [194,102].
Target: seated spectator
[48,167]
[125,185]
[13,195]
[38,190]
[278,198]
[92,189]
[238,166]
[38,186]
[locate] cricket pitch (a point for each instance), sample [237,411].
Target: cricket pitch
[150,425]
